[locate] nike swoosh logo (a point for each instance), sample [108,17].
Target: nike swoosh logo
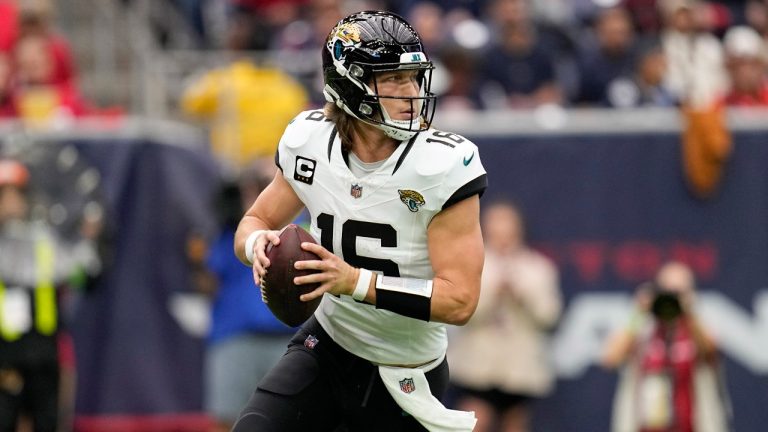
[467,161]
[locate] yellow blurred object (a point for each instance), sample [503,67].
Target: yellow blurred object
[248,107]
[707,146]
[38,105]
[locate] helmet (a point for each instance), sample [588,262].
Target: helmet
[13,173]
[366,43]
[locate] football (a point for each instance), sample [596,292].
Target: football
[281,294]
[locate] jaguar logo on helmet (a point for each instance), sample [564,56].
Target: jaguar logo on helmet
[344,36]
[348,33]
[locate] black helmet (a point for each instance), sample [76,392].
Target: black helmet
[363,44]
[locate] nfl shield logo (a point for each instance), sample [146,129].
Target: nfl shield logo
[407,385]
[356,191]
[310,342]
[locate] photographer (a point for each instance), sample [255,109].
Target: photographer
[669,380]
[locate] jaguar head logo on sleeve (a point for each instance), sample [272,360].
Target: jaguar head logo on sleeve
[412,199]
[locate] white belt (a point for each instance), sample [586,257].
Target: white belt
[410,389]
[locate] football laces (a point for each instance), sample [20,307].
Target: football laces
[263,285]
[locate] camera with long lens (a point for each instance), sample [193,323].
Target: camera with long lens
[666,305]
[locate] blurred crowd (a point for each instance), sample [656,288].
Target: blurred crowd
[489,55]
[500,54]
[38,79]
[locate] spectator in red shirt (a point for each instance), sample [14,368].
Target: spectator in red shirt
[37,95]
[34,17]
[745,53]
[8,24]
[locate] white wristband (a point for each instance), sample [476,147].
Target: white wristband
[250,242]
[363,282]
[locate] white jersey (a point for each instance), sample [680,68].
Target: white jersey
[378,222]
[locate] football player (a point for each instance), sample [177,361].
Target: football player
[395,204]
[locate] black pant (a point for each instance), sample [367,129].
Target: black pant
[325,388]
[29,382]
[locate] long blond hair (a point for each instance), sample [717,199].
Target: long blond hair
[346,125]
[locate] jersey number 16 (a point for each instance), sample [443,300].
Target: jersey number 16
[350,231]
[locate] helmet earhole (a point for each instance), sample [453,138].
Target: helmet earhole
[356,71]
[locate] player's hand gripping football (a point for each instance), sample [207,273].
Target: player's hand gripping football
[261,263]
[335,275]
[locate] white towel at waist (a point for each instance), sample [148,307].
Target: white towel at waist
[410,389]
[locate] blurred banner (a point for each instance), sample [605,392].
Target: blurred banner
[608,208]
[139,359]
[133,356]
